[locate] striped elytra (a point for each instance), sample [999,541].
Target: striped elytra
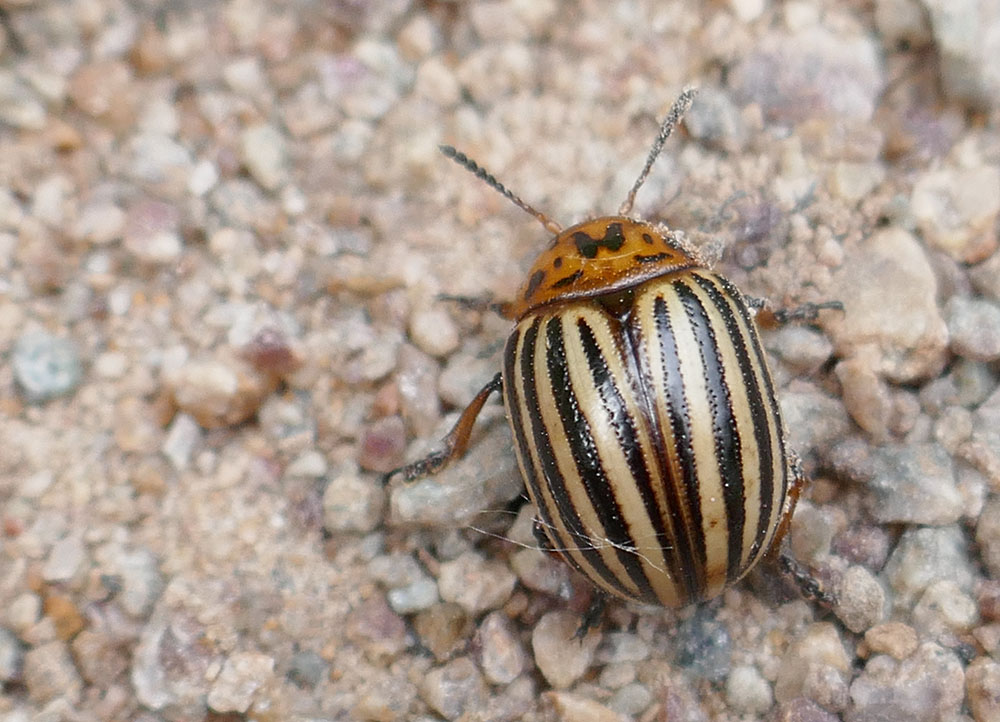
[644,417]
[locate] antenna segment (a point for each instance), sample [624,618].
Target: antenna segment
[470,165]
[677,111]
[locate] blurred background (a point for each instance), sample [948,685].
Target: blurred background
[225,234]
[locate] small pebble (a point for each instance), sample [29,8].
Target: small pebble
[475,583]
[619,647]
[956,209]
[974,325]
[704,646]
[965,41]
[64,615]
[801,709]
[820,646]
[889,292]
[218,392]
[45,366]
[915,485]
[242,675]
[926,555]
[570,707]
[747,691]
[866,397]
[988,536]
[455,689]
[982,685]
[716,120]
[352,502]
[485,478]
[985,277]
[434,331]
[152,232]
[944,612]
[265,156]
[501,655]
[23,612]
[11,656]
[802,348]
[382,445]
[925,687]
[183,435]
[444,629]
[419,594]
[137,570]
[893,638]
[631,700]
[49,673]
[306,669]
[378,630]
[560,657]
[860,599]
[100,657]
[64,560]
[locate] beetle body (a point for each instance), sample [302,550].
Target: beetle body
[644,416]
[643,413]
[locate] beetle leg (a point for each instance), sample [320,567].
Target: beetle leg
[455,443]
[592,617]
[808,585]
[770,318]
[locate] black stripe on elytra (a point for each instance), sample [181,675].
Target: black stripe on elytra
[589,466]
[552,478]
[589,246]
[517,422]
[724,431]
[754,398]
[627,438]
[688,533]
[768,398]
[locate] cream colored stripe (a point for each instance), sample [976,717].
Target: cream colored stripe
[648,547]
[598,537]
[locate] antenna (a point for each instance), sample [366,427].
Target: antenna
[677,111]
[470,165]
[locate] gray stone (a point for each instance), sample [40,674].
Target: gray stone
[889,293]
[704,646]
[487,477]
[49,673]
[501,654]
[925,687]
[747,691]
[352,502]
[926,555]
[11,656]
[915,484]
[242,675]
[455,689]
[974,325]
[475,583]
[860,600]
[561,658]
[45,366]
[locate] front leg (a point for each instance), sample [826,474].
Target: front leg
[455,443]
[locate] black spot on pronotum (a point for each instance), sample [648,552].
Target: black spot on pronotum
[588,246]
[557,263]
[651,259]
[534,282]
[568,280]
[647,238]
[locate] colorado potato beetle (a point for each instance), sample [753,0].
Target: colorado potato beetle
[643,413]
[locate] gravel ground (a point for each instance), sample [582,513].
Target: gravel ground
[225,230]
